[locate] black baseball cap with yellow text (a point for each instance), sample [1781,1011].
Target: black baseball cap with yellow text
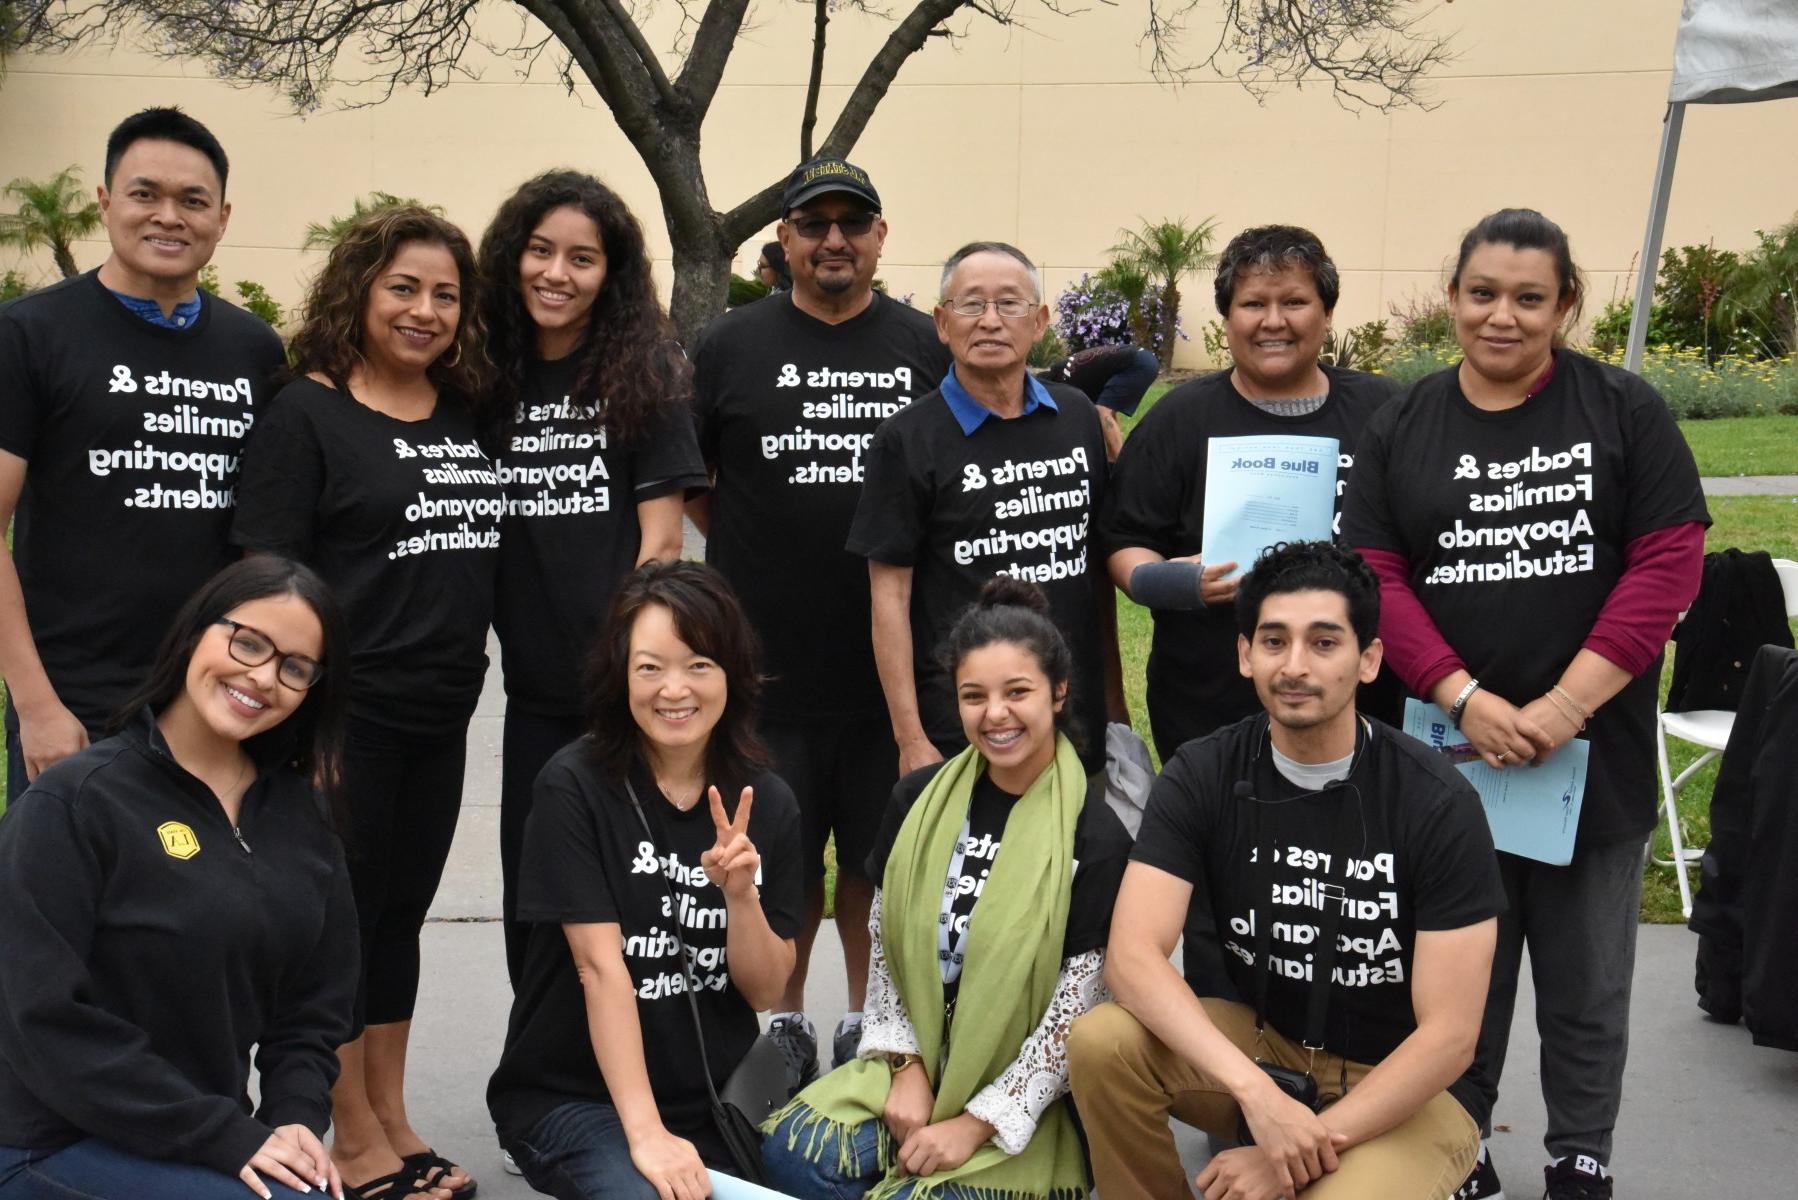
[822,176]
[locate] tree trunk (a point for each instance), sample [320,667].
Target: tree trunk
[65,259]
[701,287]
[1170,320]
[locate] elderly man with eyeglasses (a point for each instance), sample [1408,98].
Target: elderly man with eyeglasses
[788,394]
[993,473]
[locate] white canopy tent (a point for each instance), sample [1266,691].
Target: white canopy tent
[1727,52]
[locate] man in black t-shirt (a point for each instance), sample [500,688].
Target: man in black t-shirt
[1332,848]
[125,397]
[788,393]
[993,473]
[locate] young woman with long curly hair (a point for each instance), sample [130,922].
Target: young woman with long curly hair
[590,410]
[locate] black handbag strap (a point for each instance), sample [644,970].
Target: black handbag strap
[1332,896]
[681,943]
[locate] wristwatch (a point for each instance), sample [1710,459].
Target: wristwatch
[898,1062]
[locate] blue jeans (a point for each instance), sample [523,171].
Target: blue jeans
[94,1170]
[579,1152]
[795,1172]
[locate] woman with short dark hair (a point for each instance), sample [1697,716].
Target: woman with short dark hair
[177,905]
[369,466]
[1537,524]
[1276,290]
[661,861]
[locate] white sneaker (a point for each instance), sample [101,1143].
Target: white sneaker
[511,1166]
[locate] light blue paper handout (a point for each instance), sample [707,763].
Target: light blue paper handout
[727,1187]
[1533,811]
[1266,489]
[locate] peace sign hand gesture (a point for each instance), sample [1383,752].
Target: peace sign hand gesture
[732,861]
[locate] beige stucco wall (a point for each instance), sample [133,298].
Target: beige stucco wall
[1051,136]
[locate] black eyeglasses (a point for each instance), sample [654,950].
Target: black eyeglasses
[814,229]
[252,647]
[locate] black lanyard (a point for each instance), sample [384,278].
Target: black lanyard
[1331,896]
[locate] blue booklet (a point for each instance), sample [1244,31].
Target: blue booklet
[1533,811]
[727,1187]
[1266,489]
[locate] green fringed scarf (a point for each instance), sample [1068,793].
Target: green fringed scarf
[1015,939]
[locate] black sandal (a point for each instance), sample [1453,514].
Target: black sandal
[403,1182]
[429,1167]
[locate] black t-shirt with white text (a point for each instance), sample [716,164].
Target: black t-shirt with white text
[1514,525]
[1156,500]
[587,861]
[402,519]
[1404,836]
[1101,851]
[1015,497]
[786,407]
[131,434]
[570,532]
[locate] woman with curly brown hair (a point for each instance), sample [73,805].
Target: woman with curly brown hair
[368,468]
[597,455]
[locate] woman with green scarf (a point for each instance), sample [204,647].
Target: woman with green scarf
[981,959]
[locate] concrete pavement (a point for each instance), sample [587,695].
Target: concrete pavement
[1705,1112]
[1750,485]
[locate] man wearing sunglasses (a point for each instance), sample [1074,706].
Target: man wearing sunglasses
[788,393]
[993,473]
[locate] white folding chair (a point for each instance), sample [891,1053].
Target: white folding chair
[1707,728]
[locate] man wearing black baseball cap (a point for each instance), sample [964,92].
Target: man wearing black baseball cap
[788,392]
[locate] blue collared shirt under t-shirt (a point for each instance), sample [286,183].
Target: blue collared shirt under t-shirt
[183,316]
[970,414]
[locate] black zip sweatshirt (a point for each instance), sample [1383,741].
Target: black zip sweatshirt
[145,949]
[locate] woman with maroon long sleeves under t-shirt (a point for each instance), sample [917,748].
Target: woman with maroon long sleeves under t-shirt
[1537,524]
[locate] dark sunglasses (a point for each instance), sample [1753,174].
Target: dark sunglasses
[814,229]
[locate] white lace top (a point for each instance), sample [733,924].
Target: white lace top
[1013,1103]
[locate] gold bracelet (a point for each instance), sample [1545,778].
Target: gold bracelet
[1579,708]
[1554,702]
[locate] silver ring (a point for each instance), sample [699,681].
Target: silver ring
[1502,754]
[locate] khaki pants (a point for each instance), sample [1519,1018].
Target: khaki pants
[1126,1084]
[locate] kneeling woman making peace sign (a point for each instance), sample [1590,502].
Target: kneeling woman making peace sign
[175,896]
[661,825]
[998,870]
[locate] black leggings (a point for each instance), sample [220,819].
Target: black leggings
[531,740]
[402,795]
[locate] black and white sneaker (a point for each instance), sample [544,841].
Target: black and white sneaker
[1482,1182]
[798,1041]
[1577,1177]
[510,1164]
[846,1041]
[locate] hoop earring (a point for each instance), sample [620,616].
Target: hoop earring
[454,358]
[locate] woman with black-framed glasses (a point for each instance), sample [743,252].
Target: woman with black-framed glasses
[176,895]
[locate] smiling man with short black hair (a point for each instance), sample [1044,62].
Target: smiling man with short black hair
[1348,871]
[128,394]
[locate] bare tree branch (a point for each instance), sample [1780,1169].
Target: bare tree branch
[820,22]
[1374,53]
[713,41]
